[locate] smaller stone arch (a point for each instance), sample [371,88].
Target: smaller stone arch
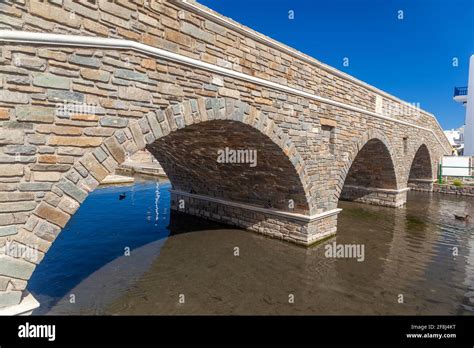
[369,174]
[421,170]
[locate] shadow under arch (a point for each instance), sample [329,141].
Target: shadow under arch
[420,177]
[194,159]
[370,175]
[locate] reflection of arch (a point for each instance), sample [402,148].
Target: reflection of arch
[374,152]
[193,115]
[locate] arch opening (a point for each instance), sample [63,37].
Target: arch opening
[232,161]
[372,177]
[420,177]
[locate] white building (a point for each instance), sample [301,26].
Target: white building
[465,95]
[456,139]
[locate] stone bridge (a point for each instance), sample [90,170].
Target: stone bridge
[86,83]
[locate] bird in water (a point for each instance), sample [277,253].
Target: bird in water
[122,196]
[464,217]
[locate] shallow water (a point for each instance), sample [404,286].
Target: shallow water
[214,269]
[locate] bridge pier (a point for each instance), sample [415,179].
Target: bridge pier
[425,185]
[293,227]
[376,196]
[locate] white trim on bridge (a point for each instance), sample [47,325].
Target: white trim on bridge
[100,42]
[268,211]
[26,306]
[376,189]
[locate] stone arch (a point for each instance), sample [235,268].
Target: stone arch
[421,169]
[421,164]
[193,158]
[369,171]
[154,126]
[355,149]
[47,220]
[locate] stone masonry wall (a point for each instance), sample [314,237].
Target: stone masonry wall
[387,198]
[373,167]
[421,168]
[285,228]
[464,190]
[423,185]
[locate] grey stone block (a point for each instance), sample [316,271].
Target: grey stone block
[72,190]
[115,122]
[86,61]
[16,268]
[35,186]
[8,230]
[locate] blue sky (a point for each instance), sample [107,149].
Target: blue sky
[409,58]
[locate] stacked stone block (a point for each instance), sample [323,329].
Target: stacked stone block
[291,227]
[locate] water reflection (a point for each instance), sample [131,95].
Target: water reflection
[408,252]
[98,234]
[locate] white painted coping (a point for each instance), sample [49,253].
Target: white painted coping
[281,213]
[422,180]
[117,179]
[376,189]
[25,307]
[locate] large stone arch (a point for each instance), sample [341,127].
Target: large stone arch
[192,159]
[369,173]
[65,197]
